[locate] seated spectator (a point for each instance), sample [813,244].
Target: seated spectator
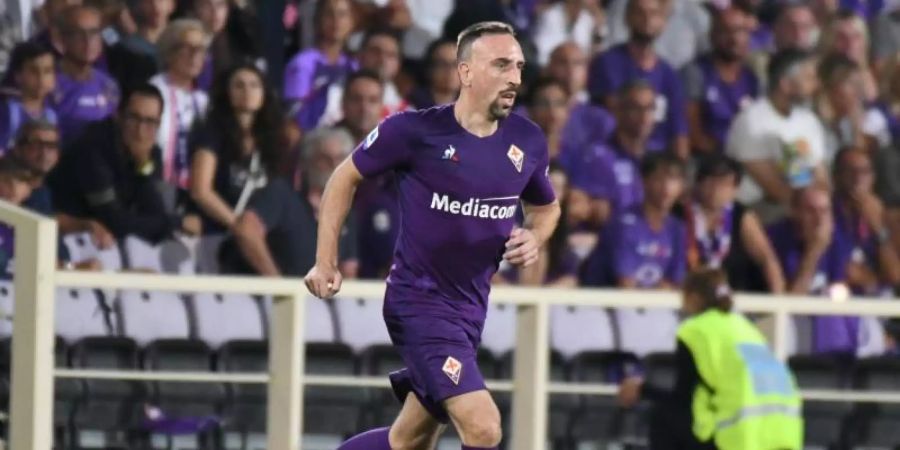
[37,149]
[51,19]
[442,82]
[577,21]
[637,59]
[682,38]
[380,54]
[795,28]
[325,63]
[722,233]
[32,74]
[885,38]
[361,104]
[889,99]
[568,65]
[237,149]
[134,59]
[548,107]
[182,47]
[848,35]
[859,221]
[607,180]
[842,108]
[778,140]
[111,174]
[233,40]
[558,263]
[644,247]
[277,233]
[814,258]
[719,84]
[83,93]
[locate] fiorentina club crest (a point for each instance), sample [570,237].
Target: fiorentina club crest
[453,369]
[517,156]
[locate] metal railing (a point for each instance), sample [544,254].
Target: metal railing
[33,339]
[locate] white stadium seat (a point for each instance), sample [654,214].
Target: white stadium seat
[644,331]
[147,317]
[223,318]
[578,329]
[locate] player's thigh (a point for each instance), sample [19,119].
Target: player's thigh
[475,415]
[415,428]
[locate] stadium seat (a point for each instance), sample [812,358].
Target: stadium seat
[360,323]
[208,253]
[644,331]
[79,314]
[824,422]
[599,422]
[245,410]
[184,400]
[146,317]
[320,324]
[381,360]
[81,248]
[579,329]
[170,256]
[67,396]
[877,424]
[499,335]
[333,413]
[241,313]
[110,413]
[7,307]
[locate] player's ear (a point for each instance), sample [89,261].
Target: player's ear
[464,69]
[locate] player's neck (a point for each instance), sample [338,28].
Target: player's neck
[473,118]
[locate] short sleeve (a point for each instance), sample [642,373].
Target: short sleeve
[677,267]
[599,79]
[595,178]
[678,105]
[743,144]
[387,147]
[298,78]
[816,138]
[539,191]
[692,79]
[625,260]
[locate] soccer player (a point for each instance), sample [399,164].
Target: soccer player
[461,171]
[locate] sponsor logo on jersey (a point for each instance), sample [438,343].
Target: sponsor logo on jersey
[484,208]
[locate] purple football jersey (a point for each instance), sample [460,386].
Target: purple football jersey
[13,115]
[458,196]
[587,125]
[78,103]
[720,100]
[310,70]
[606,171]
[610,70]
[645,255]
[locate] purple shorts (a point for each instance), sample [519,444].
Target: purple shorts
[440,356]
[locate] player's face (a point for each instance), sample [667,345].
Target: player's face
[495,72]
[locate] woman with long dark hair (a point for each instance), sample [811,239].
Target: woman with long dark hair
[238,148]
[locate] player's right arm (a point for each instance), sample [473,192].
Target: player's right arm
[324,279]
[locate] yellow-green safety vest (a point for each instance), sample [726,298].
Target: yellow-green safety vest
[747,399]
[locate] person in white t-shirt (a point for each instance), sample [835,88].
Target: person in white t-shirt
[182,50]
[778,139]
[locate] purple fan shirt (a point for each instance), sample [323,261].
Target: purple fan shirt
[587,126]
[458,196]
[720,101]
[310,70]
[77,103]
[645,255]
[13,115]
[610,70]
[830,333]
[608,172]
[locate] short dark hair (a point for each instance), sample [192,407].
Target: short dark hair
[143,89]
[711,285]
[473,32]
[634,84]
[31,126]
[362,74]
[541,84]
[783,63]
[381,31]
[24,52]
[66,20]
[835,66]
[718,165]
[11,167]
[657,161]
[433,47]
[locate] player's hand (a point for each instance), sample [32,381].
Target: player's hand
[522,248]
[630,391]
[323,280]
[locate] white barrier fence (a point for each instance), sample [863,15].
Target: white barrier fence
[33,368]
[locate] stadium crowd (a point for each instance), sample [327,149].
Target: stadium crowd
[756,136]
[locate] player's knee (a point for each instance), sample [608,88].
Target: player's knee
[484,432]
[400,440]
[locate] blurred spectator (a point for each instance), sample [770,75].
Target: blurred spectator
[325,63]
[848,35]
[83,93]
[277,233]
[796,28]
[720,84]
[859,220]
[111,174]
[683,36]
[814,258]
[644,247]
[52,16]
[548,107]
[779,141]
[428,18]
[558,263]
[722,233]
[32,75]
[568,65]
[361,103]
[886,34]
[37,149]
[842,108]
[607,180]
[234,38]
[889,101]
[638,59]
[441,80]
[10,33]
[577,21]
[134,59]
[237,149]
[15,187]
[182,47]
[380,54]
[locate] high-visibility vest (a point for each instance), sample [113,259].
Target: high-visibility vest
[747,399]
